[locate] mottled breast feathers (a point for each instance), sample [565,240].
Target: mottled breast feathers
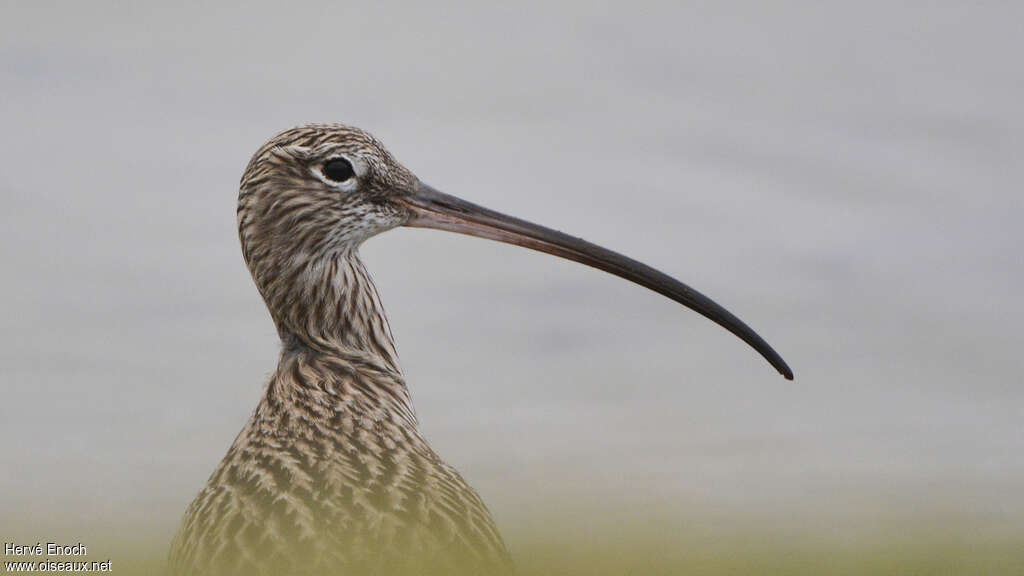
[331,476]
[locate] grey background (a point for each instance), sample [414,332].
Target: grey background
[846,179]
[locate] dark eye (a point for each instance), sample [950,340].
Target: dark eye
[338,170]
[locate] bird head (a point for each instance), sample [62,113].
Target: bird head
[315,193]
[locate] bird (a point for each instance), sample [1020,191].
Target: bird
[332,474]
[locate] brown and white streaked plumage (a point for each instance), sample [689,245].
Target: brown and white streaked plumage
[331,474]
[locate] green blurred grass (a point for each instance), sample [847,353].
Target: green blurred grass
[753,553]
[654,549]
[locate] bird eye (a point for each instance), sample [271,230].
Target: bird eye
[338,169]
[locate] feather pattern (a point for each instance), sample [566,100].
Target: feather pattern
[331,474]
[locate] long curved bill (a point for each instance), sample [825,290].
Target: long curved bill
[434,209]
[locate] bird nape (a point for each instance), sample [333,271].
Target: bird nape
[331,474]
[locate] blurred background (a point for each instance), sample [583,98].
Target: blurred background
[845,178]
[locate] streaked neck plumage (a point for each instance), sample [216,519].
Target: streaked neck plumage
[300,240]
[329,305]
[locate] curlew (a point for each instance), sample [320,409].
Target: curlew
[331,474]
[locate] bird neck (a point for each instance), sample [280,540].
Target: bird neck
[327,304]
[323,395]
